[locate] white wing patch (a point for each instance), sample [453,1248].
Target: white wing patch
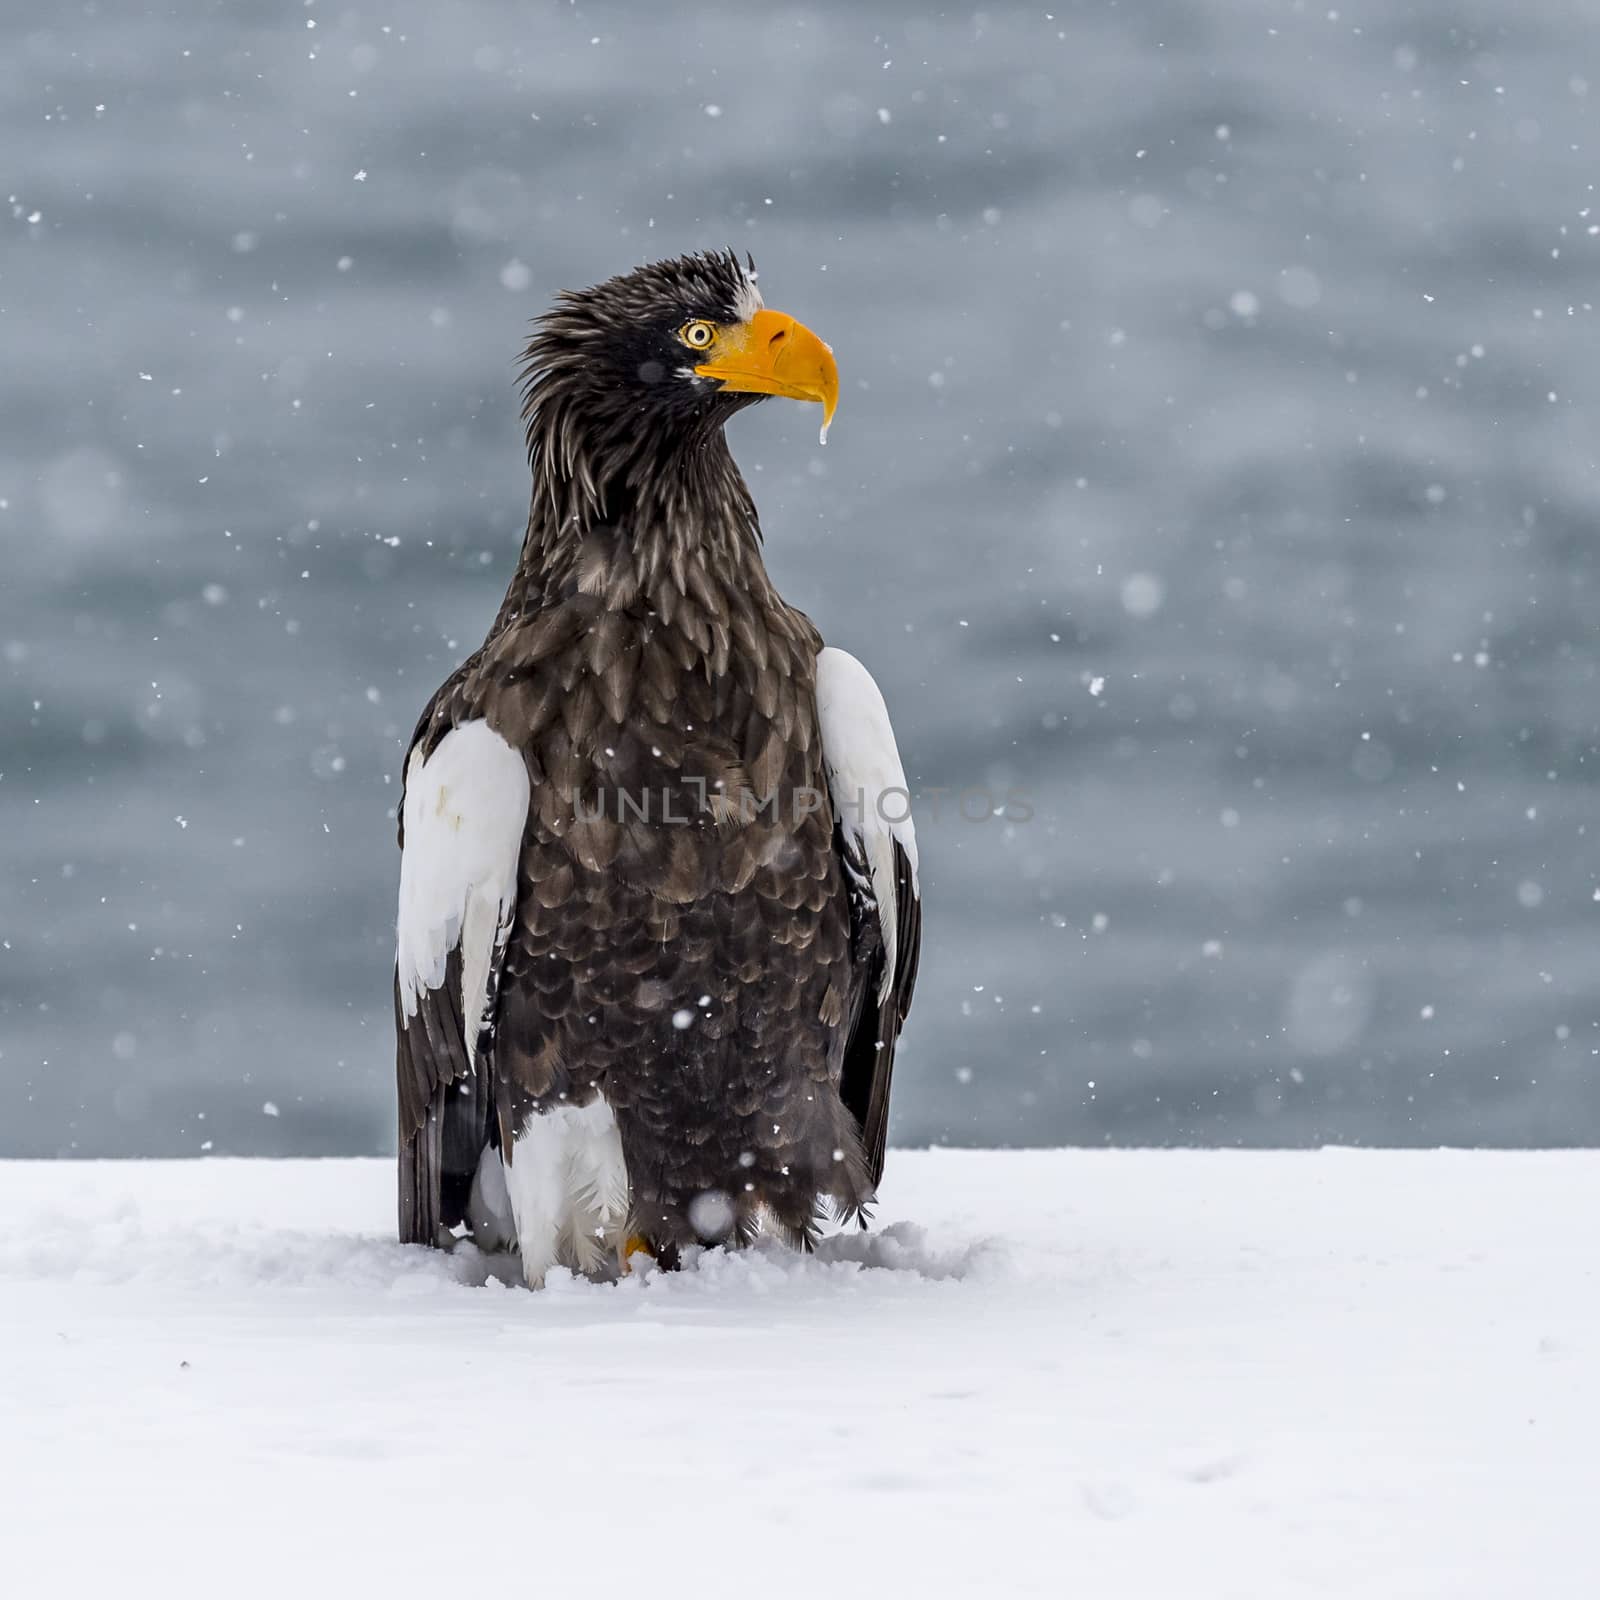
[866,781]
[465,807]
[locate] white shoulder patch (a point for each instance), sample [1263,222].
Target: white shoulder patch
[465,808]
[866,780]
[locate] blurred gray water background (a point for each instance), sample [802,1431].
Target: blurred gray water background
[1215,465]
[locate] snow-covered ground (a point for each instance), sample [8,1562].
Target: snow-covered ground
[1065,1373]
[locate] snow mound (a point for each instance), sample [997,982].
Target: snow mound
[1108,1374]
[111,1242]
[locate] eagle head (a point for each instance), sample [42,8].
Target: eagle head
[659,354]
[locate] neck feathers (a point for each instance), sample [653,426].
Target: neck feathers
[638,520]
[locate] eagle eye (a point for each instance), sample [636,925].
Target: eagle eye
[697,335]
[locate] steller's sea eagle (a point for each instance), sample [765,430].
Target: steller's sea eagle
[658,922]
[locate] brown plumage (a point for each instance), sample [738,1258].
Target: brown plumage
[692,937]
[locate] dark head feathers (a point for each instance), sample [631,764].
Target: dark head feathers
[612,403]
[607,363]
[715,285]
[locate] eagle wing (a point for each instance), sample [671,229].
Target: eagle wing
[877,843]
[462,812]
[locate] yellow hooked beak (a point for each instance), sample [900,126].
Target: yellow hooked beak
[774,354]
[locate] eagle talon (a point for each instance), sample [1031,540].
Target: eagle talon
[634,1245]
